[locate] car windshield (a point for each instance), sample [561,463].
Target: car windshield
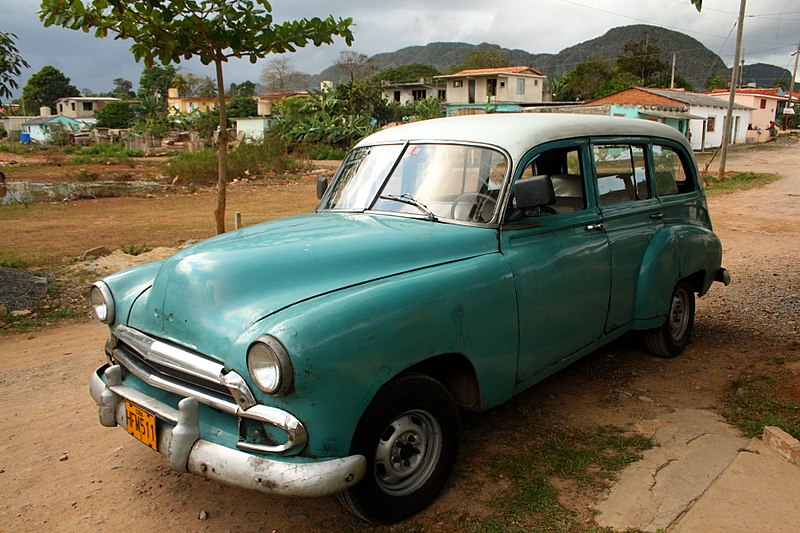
[447,181]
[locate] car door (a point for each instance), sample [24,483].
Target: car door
[560,262]
[631,215]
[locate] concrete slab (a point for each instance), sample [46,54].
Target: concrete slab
[759,491]
[695,447]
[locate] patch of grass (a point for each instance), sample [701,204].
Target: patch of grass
[752,403]
[135,249]
[738,182]
[104,153]
[591,460]
[8,260]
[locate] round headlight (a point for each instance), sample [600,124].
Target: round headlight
[270,366]
[102,302]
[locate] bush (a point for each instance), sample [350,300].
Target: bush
[251,159]
[193,167]
[104,152]
[115,115]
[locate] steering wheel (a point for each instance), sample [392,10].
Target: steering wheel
[478,204]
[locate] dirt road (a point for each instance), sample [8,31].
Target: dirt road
[61,471]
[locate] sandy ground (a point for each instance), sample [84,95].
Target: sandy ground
[61,471]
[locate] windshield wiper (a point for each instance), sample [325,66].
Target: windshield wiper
[406,198]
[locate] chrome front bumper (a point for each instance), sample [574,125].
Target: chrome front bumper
[186,452]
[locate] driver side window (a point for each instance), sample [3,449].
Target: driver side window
[564,167]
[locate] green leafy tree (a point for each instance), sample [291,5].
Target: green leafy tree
[115,115]
[246,88]
[123,89]
[716,82]
[11,64]
[405,73]
[484,58]
[643,60]
[585,79]
[155,82]
[45,87]
[243,106]
[617,82]
[210,30]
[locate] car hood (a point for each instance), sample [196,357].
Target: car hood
[209,294]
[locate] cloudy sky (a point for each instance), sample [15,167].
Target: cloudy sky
[771,31]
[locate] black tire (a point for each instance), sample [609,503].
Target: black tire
[409,435]
[670,339]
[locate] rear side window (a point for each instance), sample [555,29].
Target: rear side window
[621,173]
[670,174]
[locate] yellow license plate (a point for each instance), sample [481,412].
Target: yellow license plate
[141,424]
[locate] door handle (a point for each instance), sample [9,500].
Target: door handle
[657,216]
[597,226]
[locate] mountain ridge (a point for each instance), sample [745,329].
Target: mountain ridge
[694,60]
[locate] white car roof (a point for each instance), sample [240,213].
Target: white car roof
[519,132]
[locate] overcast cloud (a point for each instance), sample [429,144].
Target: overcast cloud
[771,31]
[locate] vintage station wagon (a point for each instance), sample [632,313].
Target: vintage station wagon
[451,264]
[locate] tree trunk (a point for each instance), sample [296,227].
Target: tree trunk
[222,164]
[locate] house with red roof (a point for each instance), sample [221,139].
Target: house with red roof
[492,89]
[767,106]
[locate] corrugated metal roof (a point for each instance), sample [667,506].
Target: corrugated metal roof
[691,98]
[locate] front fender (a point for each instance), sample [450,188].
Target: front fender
[347,345]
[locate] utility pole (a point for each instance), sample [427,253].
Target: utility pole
[791,88]
[729,116]
[672,79]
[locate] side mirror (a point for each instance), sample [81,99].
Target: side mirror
[536,191]
[322,186]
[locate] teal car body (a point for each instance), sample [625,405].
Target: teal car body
[458,261]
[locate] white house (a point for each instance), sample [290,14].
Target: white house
[706,114]
[503,88]
[40,128]
[82,106]
[765,106]
[409,92]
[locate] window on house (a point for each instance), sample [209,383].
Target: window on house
[458,83]
[72,104]
[520,86]
[87,106]
[763,103]
[60,108]
[419,94]
[535,83]
[621,173]
[397,96]
[711,123]
[442,94]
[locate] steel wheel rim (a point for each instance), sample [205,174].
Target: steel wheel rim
[407,453]
[679,314]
